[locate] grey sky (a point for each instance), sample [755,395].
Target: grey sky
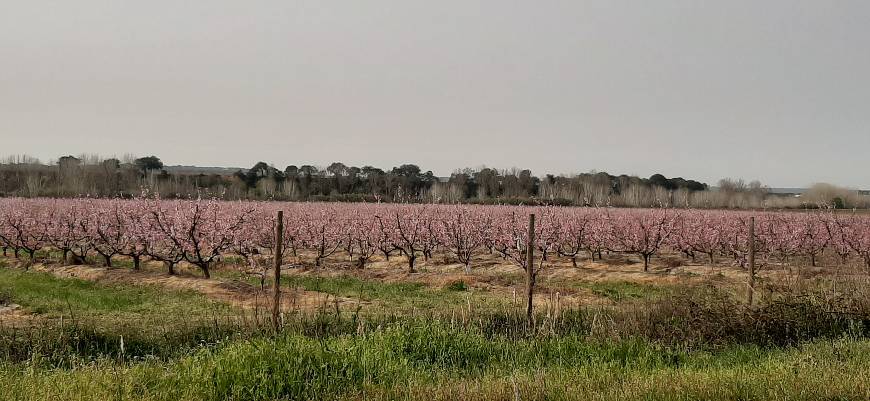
[774,90]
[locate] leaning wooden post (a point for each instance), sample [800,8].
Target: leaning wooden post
[751,259]
[279,240]
[530,267]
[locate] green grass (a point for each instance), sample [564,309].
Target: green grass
[73,320]
[44,294]
[432,361]
[456,286]
[618,291]
[232,260]
[588,354]
[50,254]
[352,287]
[121,262]
[403,295]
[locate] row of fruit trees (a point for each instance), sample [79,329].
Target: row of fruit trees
[202,231]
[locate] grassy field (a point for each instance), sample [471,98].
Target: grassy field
[49,296]
[430,361]
[74,339]
[401,295]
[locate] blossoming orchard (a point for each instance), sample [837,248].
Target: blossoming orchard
[201,232]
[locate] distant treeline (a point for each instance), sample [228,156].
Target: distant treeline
[89,175]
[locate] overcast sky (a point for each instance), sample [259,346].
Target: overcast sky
[773,90]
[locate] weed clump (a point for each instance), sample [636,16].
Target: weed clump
[707,316]
[458,286]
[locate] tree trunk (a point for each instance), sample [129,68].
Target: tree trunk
[574,260]
[360,262]
[108,260]
[170,267]
[32,253]
[204,267]
[75,259]
[136,261]
[317,261]
[411,259]
[813,259]
[646,259]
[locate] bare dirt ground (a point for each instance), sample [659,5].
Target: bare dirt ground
[13,314]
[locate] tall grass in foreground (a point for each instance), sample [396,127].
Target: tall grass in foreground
[485,357]
[700,318]
[435,362]
[694,343]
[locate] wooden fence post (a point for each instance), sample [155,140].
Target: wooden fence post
[530,267]
[279,241]
[751,259]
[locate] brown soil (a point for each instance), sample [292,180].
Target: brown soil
[13,315]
